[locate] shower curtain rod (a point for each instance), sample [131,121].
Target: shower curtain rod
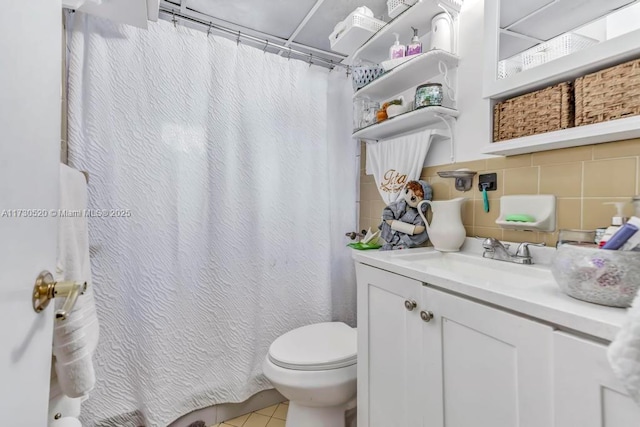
[313,59]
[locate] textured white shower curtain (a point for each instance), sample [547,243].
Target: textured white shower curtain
[239,173]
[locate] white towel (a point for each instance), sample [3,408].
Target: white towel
[396,161]
[59,403]
[75,339]
[624,352]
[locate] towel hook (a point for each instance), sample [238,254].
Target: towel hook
[46,289]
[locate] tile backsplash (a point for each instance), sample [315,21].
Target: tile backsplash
[582,178]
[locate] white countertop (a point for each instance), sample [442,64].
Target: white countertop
[526,289]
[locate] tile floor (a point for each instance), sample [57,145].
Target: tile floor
[273,416]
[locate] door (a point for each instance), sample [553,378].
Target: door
[388,349]
[484,366]
[30,58]
[586,392]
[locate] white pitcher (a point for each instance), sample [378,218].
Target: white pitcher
[446,231]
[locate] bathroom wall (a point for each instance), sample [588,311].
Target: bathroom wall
[582,178]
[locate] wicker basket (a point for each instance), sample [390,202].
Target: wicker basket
[609,94]
[537,112]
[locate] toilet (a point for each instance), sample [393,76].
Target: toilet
[315,368]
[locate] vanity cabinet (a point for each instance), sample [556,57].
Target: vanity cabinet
[446,360]
[587,394]
[389,359]
[431,358]
[484,366]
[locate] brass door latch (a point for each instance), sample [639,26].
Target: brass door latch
[46,289]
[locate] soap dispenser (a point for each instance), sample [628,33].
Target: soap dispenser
[397,50]
[415,47]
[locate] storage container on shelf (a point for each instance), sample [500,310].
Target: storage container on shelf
[353,31]
[510,66]
[362,75]
[396,7]
[533,113]
[609,94]
[555,48]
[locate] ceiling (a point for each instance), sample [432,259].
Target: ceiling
[306,22]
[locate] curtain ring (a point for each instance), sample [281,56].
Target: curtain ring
[173,19]
[332,66]
[289,55]
[266,45]
[209,30]
[310,59]
[238,39]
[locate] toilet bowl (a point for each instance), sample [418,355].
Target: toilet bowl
[315,368]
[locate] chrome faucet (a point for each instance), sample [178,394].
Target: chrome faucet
[494,249]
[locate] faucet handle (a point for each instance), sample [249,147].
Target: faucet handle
[492,242]
[488,242]
[523,249]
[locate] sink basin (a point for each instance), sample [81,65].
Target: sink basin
[471,267]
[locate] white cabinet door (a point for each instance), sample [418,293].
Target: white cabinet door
[489,368]
[389,348]
[30,78]
[586,393]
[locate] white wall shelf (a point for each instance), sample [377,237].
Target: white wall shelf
[409,74]
[594,58]
[614,130]
[406,123]
[376,49]
[132,12]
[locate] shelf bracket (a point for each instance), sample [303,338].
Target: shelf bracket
[444,71]
[453,14]
[448,121]
[368,140]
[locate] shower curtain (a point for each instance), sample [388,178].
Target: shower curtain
[223,180]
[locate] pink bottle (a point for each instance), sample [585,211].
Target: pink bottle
[397,50]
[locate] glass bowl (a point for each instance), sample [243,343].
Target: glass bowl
[597,275]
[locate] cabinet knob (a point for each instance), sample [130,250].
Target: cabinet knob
[410,304]
[426,315]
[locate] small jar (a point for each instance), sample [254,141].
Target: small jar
[428,94]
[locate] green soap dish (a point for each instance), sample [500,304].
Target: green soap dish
[364,246]
[519,218]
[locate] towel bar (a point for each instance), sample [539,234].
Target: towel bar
[46,289]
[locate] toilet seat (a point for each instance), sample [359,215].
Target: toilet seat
[317,347]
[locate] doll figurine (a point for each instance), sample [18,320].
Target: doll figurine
[402,226]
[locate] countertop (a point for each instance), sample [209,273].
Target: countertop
[529,290]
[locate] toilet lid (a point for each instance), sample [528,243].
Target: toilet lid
[321,346]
